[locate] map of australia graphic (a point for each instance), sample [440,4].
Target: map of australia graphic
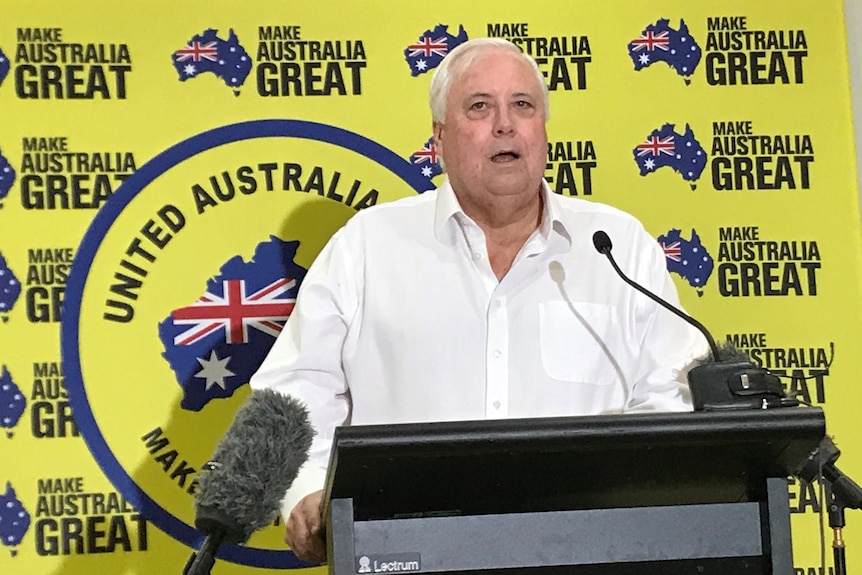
[665,147]
[688,258]
[216,343]
[207,53]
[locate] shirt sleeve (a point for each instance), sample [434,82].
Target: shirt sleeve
[305,361]
[670,346]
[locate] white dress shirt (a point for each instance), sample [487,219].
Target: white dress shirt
[401,319]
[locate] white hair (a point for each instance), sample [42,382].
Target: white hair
[460,58]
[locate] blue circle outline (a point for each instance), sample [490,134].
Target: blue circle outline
[85,254]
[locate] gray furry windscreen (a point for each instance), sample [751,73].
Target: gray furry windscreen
[256,461]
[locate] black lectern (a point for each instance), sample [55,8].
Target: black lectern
[701,493]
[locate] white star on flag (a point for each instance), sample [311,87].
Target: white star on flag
[214,370]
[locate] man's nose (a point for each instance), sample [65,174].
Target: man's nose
[503,124]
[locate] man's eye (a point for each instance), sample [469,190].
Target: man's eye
[522,104]
[478,105]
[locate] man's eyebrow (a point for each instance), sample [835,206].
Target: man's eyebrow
[489,95]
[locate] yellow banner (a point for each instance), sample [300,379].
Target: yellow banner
[187,152]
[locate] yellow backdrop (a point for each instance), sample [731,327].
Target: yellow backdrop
[244,134]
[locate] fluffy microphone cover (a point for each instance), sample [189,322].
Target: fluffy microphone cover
[729,352]
[253,466]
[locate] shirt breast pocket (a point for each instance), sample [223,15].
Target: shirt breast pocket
[580,343]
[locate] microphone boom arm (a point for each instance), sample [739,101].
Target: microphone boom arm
[712,346]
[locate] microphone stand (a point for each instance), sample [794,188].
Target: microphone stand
[201,563]
[836,522]
[841,493]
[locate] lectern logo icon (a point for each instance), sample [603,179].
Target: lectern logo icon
[389,563]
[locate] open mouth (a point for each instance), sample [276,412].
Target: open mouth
[505,157]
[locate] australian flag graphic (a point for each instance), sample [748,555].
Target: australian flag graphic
[7,175]
[687,258]
[10,289]
[4,67]
[206,52]
[426,160]
[14,519]
[432,47]
[12,402]
[661,43]
[664,147]
[216,343]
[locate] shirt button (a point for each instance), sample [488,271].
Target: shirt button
[477,256]
[498,302]
[496,405]
[498,353]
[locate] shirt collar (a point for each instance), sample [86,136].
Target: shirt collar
[552,220]
[448,208]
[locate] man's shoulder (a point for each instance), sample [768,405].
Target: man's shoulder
[411,202]
[394,214]
[570,207]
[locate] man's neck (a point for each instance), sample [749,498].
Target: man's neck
[507,223]
[505,219]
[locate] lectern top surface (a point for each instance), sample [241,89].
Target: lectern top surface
[569,463]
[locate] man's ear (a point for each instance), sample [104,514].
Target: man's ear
[437,128]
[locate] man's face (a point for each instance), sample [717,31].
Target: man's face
[493,138]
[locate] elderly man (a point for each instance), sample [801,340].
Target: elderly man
[482,299]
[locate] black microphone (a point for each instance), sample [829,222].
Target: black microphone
[729,380]
[822,462]
[253,466]
[604,246]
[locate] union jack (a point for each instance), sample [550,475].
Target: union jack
[428,153]
[236,312]
[196,51]
[656,146]
[429,47]
[672,251]
[651,41]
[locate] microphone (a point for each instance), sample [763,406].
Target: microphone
[729,380]
[603,245]
[253,466]
[821,462]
